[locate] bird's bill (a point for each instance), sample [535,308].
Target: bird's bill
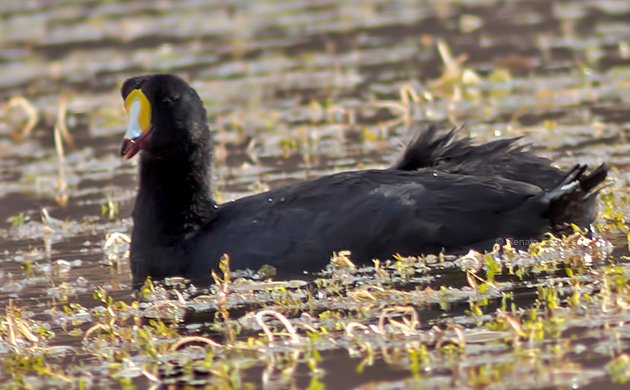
[139,112]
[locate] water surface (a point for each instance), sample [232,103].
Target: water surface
[295,90]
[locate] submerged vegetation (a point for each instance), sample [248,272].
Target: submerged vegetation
[289,102]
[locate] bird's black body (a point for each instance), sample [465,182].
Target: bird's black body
[442,194]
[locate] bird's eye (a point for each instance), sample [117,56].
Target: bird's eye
[170,99]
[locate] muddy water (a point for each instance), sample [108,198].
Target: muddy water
[294,90]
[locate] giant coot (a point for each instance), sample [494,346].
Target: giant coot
[442,194]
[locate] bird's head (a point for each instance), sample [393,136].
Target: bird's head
[165,114]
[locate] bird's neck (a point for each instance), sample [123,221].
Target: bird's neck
[174,200]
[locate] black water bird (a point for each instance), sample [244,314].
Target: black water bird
[442,194]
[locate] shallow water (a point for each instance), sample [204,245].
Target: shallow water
[294,90]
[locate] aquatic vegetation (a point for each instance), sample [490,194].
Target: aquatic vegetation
[389,316]
[18,220]
[295,92]
[29,110]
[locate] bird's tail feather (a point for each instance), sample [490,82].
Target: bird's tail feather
[571,201]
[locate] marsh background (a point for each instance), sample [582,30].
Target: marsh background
[294,90]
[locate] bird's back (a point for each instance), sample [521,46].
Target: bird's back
[374,214]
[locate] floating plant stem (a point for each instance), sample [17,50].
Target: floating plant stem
[193,339]
[29,110]
[62,109]
[270,335]
[61,185]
